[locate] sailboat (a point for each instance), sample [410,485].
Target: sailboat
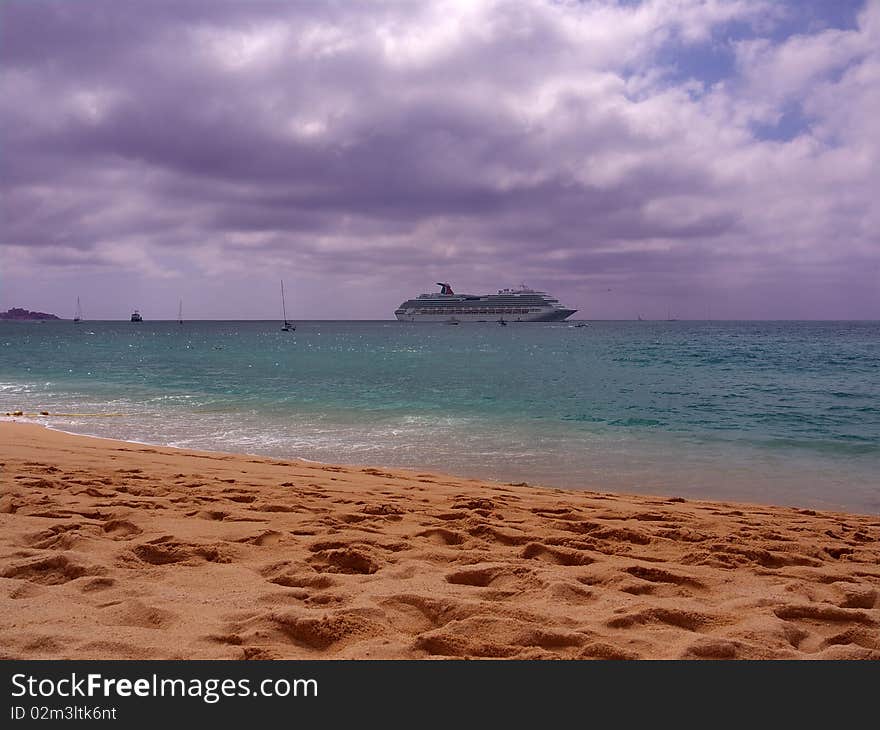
[79,314]
[286,326]
[180,313]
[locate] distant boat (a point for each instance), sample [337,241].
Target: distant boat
[136,316]
[79,315]
[285,326]
[452,320]
[640,318]
[669,317]
[502,322]
[180,313]
[581,324]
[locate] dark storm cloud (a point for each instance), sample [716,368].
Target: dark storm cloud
[522,138]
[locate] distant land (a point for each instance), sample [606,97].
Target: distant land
[18,313]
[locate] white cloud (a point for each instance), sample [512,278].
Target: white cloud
[500,134]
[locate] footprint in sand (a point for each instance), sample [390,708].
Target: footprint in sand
[496,576]
[96,584]
[688,620]
[711,649]
[325,633]
[491,636]
[57,537]
[52,570]
[318,581]
[121,529]
[558,556]
[658,575]
[344,560]
[441,536]
[137,613]
[414,614]
[26,590]
[165,551]
[264,538]
[824,613]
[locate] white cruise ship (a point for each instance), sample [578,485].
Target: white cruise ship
[513,305]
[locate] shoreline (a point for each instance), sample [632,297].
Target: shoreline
[810,502]
[115,549]
[33,420]
[414,472]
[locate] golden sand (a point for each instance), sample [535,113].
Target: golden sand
[113,550]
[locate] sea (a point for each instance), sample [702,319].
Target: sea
[784,413]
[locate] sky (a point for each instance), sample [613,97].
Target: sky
[693,158]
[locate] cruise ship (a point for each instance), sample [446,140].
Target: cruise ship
[514,305]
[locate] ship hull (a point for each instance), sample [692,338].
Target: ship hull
[550,315]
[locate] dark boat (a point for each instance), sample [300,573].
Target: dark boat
[285,326]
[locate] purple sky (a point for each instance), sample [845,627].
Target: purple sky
[629,157]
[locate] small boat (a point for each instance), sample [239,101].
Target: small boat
[452,320]
[285,326]
[79,315]
[640,318]
[180,313]
[581,324]
[136,316]
[502,322]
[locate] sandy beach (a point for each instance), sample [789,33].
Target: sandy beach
[114,550]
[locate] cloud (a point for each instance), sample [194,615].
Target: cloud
[494,141]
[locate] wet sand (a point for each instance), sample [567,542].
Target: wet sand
[113,550]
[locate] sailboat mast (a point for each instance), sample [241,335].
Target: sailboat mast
[285,325]
[180,312]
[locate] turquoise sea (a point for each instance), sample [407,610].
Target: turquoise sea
[772,412]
